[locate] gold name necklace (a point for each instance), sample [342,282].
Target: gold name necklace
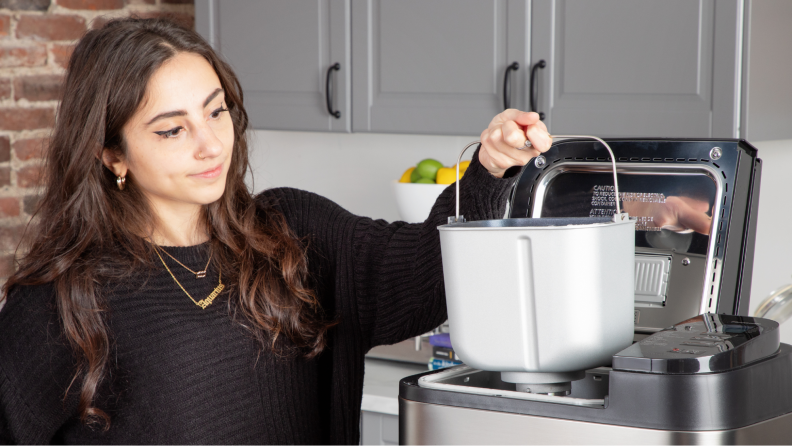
[203,303]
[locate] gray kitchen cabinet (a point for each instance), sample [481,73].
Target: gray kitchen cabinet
[436,66]
[417,66]
[613,68]
[282,52]
[624,68]
[767,62]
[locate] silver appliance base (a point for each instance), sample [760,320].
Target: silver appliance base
[422,423]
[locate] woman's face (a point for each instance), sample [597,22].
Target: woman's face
[180,140]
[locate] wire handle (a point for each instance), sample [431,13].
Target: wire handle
[613,162]
[461,218]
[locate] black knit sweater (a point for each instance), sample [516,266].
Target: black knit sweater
[180,374]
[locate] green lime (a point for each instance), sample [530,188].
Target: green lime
[428,168]
[425,181]
[415,176]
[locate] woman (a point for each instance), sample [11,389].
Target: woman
[161,302]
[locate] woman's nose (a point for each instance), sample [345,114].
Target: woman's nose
[209,145]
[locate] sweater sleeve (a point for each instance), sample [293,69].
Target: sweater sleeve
[384,281]
[36,367]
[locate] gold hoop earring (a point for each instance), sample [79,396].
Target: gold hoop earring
[121,182]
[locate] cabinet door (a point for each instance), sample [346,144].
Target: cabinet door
[650,68]
[281,51]
[378,428]
[435,66]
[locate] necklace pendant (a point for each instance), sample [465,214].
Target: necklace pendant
[200,274]
[203,303]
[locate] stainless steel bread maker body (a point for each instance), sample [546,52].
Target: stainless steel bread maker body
[699,370]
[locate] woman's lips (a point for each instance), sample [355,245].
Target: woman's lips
[211,173]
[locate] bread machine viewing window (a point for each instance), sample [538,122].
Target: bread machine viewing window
[657,200]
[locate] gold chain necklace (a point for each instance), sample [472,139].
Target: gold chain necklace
[203,303]
[198,274]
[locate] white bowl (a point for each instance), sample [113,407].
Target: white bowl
[415,200]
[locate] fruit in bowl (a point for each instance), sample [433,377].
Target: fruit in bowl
[419,186]
[430,171]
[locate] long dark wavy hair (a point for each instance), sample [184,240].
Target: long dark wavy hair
[88,233]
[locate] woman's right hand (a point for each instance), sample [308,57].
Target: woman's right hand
[503,141]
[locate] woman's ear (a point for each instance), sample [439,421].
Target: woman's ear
[115,162]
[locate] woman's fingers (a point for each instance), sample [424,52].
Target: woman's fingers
[503,142]
[532,128]
[520,117]
[513,135]
[539,137]
[495,162]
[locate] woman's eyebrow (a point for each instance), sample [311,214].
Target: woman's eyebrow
[171,114]
[212,96]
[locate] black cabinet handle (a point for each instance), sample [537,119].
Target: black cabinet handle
[329,91]
[507,84]
[533,94]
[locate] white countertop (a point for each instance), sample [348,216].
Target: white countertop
[381,384]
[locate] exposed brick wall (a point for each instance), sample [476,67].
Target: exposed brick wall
[36,40]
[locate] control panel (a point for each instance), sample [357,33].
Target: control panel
[707,343]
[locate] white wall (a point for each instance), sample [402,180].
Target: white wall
[773,254]
[355,170]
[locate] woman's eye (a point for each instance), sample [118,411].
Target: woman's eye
[170,133]
[216,114]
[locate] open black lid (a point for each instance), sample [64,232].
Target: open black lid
[695,201]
